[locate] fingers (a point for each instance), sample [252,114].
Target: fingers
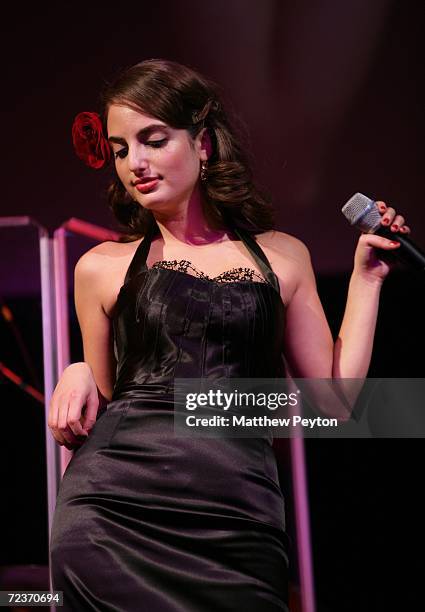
[92,407]
[62,425]
[57,422]
[75,389]
[75,405]
[397,223]
[53,422]
[388,216]
[61,439]
[391,219]
[380,242]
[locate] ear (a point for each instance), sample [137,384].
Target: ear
[205,144]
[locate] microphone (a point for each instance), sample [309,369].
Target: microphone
[363,213]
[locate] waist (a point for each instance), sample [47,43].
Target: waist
[144,391]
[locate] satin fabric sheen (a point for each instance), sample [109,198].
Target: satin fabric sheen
[149,521]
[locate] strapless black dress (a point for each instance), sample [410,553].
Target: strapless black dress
[146,520]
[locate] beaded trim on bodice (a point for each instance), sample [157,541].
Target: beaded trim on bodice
[235,274]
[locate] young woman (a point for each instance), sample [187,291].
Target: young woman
[203,287]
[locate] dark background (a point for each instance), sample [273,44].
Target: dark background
[332,96]
[331,93]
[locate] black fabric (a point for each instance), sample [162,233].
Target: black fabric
[147,520]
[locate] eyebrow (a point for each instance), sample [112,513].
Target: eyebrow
[152,127]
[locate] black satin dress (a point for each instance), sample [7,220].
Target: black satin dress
[146,520]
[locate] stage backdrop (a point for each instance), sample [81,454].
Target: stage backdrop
[330,94]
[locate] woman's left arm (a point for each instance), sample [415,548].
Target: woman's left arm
[309,348]
[353,347]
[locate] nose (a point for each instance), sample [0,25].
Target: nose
[138,159]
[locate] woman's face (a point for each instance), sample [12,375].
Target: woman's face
[158,165]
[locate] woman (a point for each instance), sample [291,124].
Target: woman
[203,288]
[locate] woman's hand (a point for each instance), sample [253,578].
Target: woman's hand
[367,263]
[75,389]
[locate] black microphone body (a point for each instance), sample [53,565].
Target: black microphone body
[363,213]
[407,251]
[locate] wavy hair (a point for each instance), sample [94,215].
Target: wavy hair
[184,99]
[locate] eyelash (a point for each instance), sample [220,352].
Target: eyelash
[155,144]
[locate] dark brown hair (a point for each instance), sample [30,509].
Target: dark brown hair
[183,99]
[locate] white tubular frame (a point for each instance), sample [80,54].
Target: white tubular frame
[49,352]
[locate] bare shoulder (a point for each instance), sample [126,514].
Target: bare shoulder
[103,253]
[284,244]
[102,256]
[289,258]
[101,271]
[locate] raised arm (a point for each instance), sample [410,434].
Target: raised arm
[309,349]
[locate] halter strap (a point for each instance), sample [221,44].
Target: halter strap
[138,263]
[259,256]
[140,256]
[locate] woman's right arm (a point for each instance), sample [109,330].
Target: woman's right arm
[88,383]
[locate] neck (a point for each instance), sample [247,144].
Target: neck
[188,224]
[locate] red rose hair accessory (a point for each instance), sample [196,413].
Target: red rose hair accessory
[89,142]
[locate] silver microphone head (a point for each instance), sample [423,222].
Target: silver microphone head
[363,213]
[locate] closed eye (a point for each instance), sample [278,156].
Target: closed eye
[121,153]
[155,144]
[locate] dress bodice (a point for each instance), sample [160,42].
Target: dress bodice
[174,321]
